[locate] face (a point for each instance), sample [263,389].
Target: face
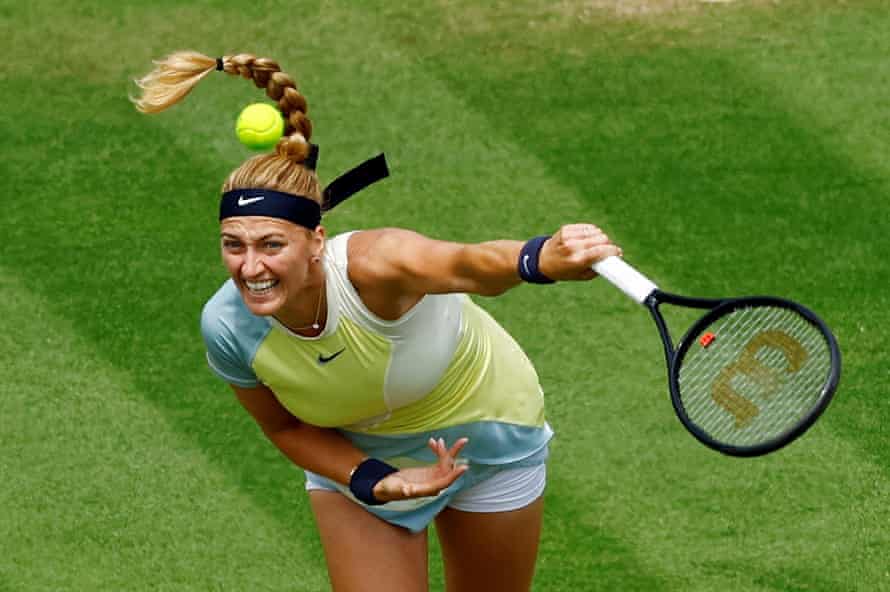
[270,261]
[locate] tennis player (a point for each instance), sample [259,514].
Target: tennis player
[364,361]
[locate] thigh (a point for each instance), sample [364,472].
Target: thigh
[363,552]
[490,551]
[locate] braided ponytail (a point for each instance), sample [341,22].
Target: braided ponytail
[177,74]
[280,87]
[174,77]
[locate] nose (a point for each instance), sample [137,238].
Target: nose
[252,266]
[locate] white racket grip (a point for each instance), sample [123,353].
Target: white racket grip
[626,278]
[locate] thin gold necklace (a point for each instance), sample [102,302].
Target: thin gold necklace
[314,326]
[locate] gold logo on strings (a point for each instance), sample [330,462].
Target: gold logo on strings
[768,379]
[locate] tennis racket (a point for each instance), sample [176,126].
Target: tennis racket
[749,376]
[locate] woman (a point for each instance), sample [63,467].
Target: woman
[362,359]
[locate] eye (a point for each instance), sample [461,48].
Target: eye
[273,245]
[231,244]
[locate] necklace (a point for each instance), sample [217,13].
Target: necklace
[314,326]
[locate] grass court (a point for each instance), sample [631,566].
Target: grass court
[730,147]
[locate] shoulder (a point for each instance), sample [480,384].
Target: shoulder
[222,308]
[365,242]
[226,321]
[362,254]
[232,335]
[373,253]
[337,247]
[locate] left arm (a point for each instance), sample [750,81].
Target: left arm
[411,264]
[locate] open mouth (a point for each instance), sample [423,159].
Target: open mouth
[260,288]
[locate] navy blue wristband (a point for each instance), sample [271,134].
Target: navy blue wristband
[366,475]
[528,261]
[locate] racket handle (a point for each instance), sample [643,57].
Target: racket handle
[625,278]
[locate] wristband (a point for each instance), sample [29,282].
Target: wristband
[528,261]
[365,476]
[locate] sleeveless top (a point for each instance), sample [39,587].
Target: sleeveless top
[445,362]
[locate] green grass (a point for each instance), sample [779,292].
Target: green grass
[730,149]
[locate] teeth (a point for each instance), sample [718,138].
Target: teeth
[261,286]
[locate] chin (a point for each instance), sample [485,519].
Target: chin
[262,307]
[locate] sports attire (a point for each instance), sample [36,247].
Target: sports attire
[445,369]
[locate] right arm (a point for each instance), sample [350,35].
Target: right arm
[320,450]
[326,452]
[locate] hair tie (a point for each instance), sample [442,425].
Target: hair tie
[219,64]
[312,160]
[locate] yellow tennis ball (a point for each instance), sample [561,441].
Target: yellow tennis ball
[259,126]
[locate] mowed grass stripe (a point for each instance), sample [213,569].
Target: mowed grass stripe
[757,163]
[662,161]
[842,103]
[159,237]
[749,504]
[180,167]
[100,251]
[100,492]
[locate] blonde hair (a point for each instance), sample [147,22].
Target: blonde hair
[176,75]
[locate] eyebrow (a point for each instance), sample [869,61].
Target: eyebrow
[261,239]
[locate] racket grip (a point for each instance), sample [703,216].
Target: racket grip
[625,278]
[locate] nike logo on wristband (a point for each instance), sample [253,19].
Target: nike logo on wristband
[325,359]
[525,264]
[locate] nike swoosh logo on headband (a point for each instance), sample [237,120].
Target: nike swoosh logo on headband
[242,201]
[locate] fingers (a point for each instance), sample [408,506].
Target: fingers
[597,253]
[446,480]
[425,481]
[440,482]
[575,237]
[448,458]
[570,253]
[458,446]
[438,446]
[405,484]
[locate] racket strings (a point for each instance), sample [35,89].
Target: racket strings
[765,369]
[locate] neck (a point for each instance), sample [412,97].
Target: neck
[309,315]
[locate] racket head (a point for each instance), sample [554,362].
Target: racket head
[753,374]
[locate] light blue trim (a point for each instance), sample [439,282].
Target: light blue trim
[232,335]
[493,447]
[490,442]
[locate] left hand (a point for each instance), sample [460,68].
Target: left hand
[423,481]
[570,253]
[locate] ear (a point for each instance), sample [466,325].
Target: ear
[318,240]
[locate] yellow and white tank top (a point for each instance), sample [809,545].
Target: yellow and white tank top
[445,363]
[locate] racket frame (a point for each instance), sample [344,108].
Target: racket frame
[674,357]
[639,288]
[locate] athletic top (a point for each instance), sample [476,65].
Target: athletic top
[444,362]
[446,368]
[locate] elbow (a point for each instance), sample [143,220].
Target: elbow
[276,430]
[491,289]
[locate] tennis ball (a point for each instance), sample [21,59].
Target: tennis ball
[259,126]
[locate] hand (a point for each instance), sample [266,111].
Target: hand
[423,481]
[570,253]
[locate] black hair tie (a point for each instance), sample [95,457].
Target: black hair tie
[219,64]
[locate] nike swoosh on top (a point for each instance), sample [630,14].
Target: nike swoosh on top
[525,264]
[325,359]
[243,202]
